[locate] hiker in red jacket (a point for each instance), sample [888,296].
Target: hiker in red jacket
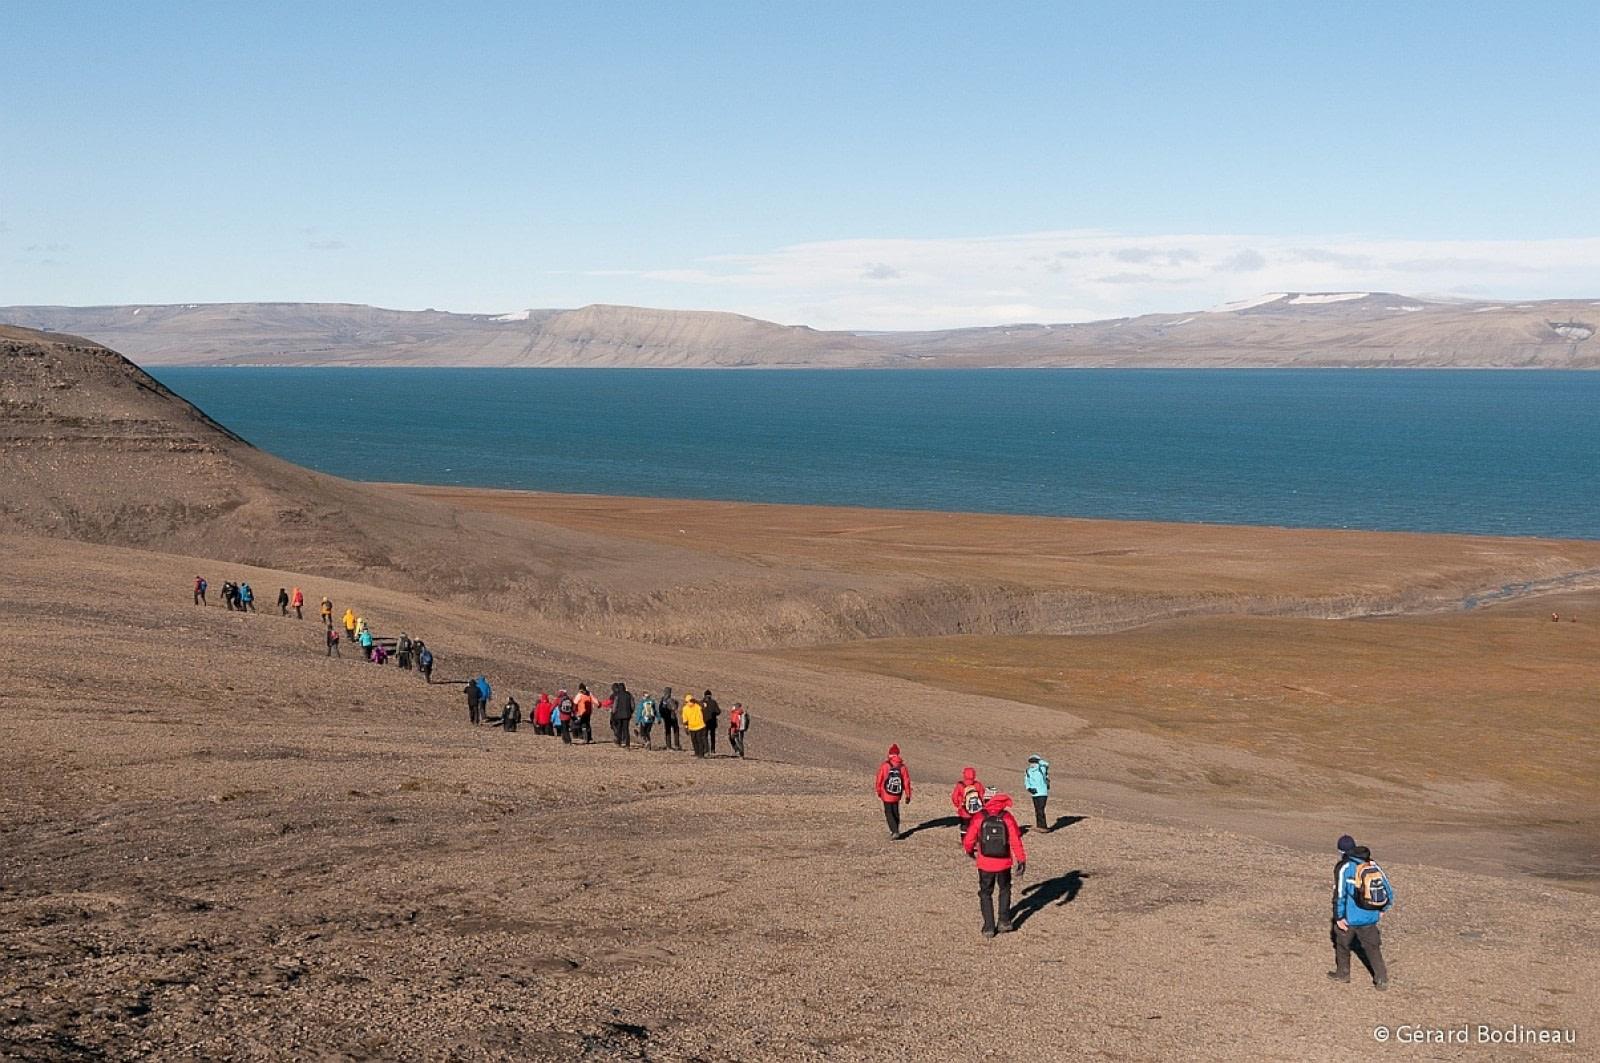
[967,797]
[541,715]
[894,786]
[994,840]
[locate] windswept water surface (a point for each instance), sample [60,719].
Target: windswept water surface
[1515,453]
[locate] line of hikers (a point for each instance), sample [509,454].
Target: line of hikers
[410,654]
[570,717]
[991,836]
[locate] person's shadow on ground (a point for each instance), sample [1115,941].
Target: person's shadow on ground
[933,824]
[1063,889]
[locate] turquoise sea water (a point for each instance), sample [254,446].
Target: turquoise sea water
[1486,452]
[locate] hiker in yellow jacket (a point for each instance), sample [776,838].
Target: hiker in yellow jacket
[350,624]
[693,715]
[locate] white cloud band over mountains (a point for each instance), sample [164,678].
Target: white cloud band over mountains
[1084,275]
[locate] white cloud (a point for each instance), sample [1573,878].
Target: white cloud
[1083,275]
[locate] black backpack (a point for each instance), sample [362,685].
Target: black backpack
[994,840]
[894,783]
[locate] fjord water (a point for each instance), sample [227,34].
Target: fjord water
[1506,453]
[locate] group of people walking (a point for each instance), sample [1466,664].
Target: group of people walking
[992,838]
[570,717]
[410,654]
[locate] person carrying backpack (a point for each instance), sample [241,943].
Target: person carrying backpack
[485,693]
[402,651]
[247,598]
[200,590]
[712,712]
[296,602]
[967,797]
[350,625]
[424,661]
[644,718]
[994,840]
[894,786]
[561,716]
[738,724]
[1036,778]
[332,640]
[1361,894]
[541,715]
[326,611]
[667,710]
[510,716]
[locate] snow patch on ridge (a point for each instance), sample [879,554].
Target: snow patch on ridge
[1326,297]
[515,315]
[1246,304]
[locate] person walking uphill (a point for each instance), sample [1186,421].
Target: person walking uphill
[644,718]
[326,611]
[297,602]
[995,841]
[474,701]
[967,797]
[283,601]
[894,786]
[667,710]
[1361,894]
[1036,778]
[621,716]
[583,714]
[694,721]
[200,590]
[349,625]
[738,724]
[713,712]
[541,715]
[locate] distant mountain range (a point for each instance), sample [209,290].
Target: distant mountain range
[1282,329]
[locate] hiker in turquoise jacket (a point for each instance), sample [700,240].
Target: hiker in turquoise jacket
[1037,781]
[1353,922]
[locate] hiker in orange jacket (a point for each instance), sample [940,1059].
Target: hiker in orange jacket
[894,786]
[995,841]
[967,797]
[296,600]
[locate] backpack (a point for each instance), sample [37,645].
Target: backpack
[512,713]
[894,783]
[1371,887]
[993,838]
[426,659]
[203,586]
[647,710]
[972,800]
[736,720]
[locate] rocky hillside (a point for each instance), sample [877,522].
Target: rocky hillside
[1290,329]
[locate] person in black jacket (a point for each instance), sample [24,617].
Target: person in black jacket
[474,701]
[667,712]
[621,716]
[713,714]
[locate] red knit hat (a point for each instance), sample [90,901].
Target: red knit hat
[894,751]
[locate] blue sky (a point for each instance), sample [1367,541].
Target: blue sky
[865,165]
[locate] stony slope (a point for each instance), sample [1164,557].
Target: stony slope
[1287,329]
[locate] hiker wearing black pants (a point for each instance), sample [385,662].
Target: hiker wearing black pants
[994,840]
[621,716]
[667,712]
[332,638]
[713,713]
[1036,778]
[893,786]
[474,701]
[283,601]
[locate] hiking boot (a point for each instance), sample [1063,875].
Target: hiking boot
[1337,977]
[988,932]
[1382,987]
[1006,928]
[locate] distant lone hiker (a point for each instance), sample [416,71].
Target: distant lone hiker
[995,841]
[1361,894]
[894,786]
[200,590]
[1036,777]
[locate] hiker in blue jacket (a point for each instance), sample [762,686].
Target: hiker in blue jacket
[483,698]
[1361,894]
[1036,779]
